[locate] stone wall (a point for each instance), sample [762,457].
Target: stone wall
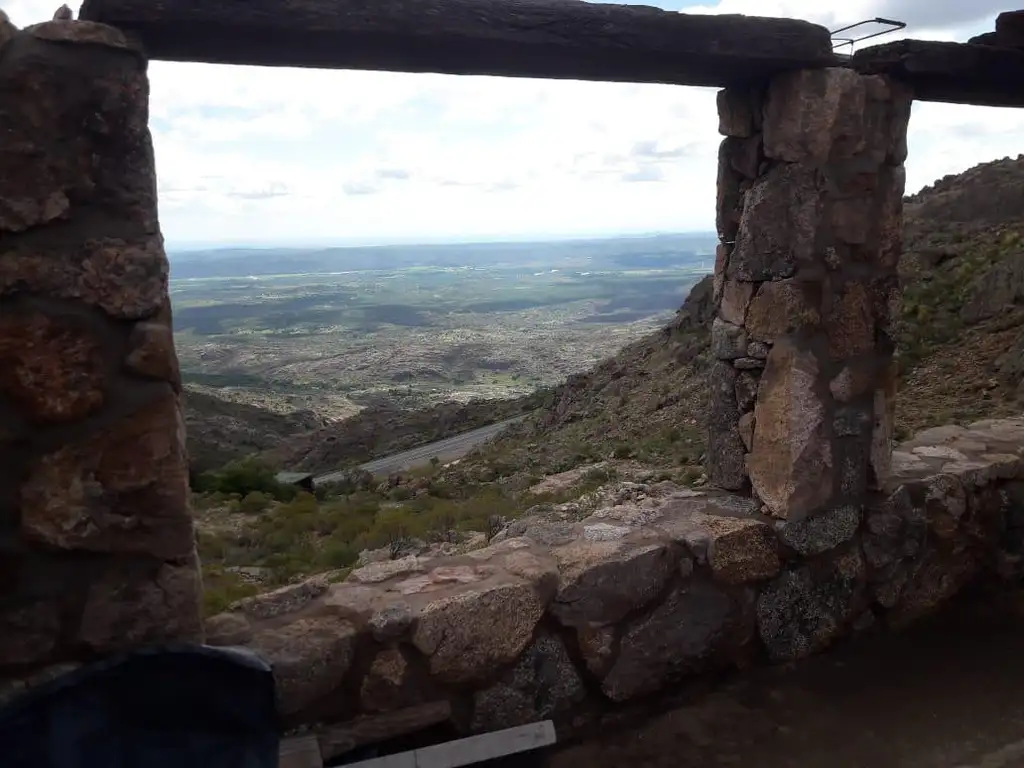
[98,549]
[810,188]
[629,592]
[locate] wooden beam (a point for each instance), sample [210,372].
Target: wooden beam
[959,73]
[376,729]
[558,39]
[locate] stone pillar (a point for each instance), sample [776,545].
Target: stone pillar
[98,549]
[810,199]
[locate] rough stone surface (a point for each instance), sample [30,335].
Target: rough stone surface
[543,683]
[790,464]
[310,658]
[466,635]
[780,308]
[134,604]
[51,369]
[696,626]
[809,282]
[822,532]
[735,298]
[725,446]
[805,610]
[99,548]
[123,490]
[151,352]
[728,341]
[850,323]
[808,112]
[778,226]
[741,550]
[388,685]
[677,582]
[735,113]
[600,583]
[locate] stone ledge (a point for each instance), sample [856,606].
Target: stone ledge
[960,73]
[637,588]
[83,32]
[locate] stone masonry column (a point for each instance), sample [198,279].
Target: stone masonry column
[810,201]
[97,548]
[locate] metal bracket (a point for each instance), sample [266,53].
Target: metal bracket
[838,42]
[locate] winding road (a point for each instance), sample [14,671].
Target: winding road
[445,450]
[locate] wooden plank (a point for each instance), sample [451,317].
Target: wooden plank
[472,750]
[300,752]
[959,73]
[562,39]
[487,746]
[379,728]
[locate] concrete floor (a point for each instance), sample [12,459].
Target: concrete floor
[948,693]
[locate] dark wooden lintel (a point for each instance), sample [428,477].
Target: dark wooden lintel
[558,39]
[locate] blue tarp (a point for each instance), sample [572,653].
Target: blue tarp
[176,707]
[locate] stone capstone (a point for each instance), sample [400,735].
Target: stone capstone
[601,582]
[464,636]
[310,658]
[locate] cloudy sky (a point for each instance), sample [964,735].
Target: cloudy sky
[281,156]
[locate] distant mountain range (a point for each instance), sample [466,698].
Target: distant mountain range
[663,251]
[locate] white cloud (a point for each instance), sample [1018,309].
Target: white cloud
[261,154]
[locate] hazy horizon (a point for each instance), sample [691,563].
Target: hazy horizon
[184,247]
[289,157]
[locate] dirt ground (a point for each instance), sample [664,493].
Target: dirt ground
[945,694]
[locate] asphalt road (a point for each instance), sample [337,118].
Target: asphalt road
[445,450]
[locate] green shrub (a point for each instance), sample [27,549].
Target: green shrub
[254,503]
[243,477]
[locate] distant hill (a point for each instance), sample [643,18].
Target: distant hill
[961,341]
[961,348]
[220,431]
[642,251]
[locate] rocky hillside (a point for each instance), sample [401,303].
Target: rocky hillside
[962,341]
[382,430]
[962,356]
[220,431]
[962,337]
